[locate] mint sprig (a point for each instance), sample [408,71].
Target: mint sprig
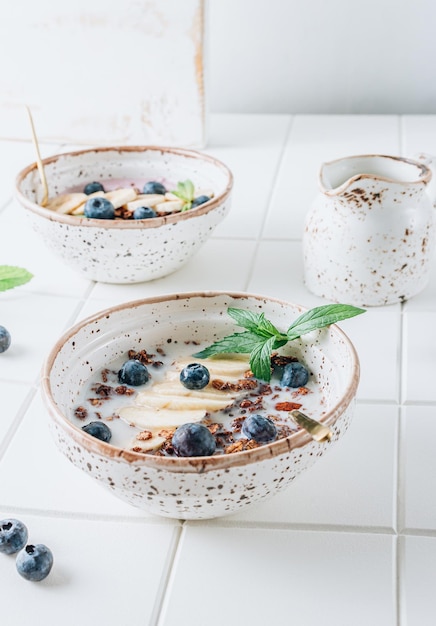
[261,337]
[12,276]
[186,192]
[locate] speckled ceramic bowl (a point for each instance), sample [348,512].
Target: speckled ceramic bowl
[196,487]
[126,251]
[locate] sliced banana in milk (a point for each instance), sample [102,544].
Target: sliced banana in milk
[66,203]
[120,197]
[146,199]
[168,403]
[143,417]
[141,445]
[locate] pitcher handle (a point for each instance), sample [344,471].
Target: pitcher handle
[430,161]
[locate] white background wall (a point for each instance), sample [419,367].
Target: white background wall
[322,56]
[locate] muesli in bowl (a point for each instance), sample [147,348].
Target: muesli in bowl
[126,214]
[157,402]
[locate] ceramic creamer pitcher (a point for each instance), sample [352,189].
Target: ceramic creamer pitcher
[370,234]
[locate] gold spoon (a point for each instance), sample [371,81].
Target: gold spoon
[39,161]
[316,430]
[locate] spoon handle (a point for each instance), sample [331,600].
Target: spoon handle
[38,160]
[317,431]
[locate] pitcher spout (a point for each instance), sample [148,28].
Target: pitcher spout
[336,177]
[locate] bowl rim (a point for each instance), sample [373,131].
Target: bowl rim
[192,464]
[156,222]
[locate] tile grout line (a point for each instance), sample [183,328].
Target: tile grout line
[271,197]
[161,602]
[19,416]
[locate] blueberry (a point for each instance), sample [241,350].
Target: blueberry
[294,375]
[100,208]
[34,562]
[154,187]
[259,428]
[143,213]
[194,376]
[93,187]
[5,339]
[193,440]
[13,536]
[199,200]
[99,430]
[133,373]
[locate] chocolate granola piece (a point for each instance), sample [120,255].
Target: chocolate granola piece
[81,413]
[280,360]
[144,435]
[287,406]
[103,390]
[240,385]
[123,390]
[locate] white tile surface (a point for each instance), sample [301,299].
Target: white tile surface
[281,577]
[418,464]
[419,356]
[41,478]
[13,396]
[419,573]
[251,145]
[35,322]
[359,527]
[114,573]
[352,485]
[22,246]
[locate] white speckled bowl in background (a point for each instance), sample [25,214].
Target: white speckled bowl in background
[196,487]
[126,251]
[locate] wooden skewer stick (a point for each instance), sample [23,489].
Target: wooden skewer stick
[39,161]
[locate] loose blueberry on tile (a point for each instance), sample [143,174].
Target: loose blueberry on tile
[259,428]
[199,200]
[13,536]
[143,213]
[100,208]
[194,376]
[5,339]
[133,373]
[294,375]
[34,562]
[154,187]
[193,440]
[99,430]
[93,187]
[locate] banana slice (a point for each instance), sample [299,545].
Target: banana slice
[139,445]
[170,205]
[149,418]
[184,403]
[66,202]
[146,199]
[120,197]
[174,388]
[218,367]
[171,196]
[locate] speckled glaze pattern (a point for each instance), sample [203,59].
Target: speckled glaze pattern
[370,235]
[198,487]
[126,251]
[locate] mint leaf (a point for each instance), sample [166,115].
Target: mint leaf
[260,359]
[321,316]
[11,276]
[186,192]
[242,343]
[261,337]
[256,322]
